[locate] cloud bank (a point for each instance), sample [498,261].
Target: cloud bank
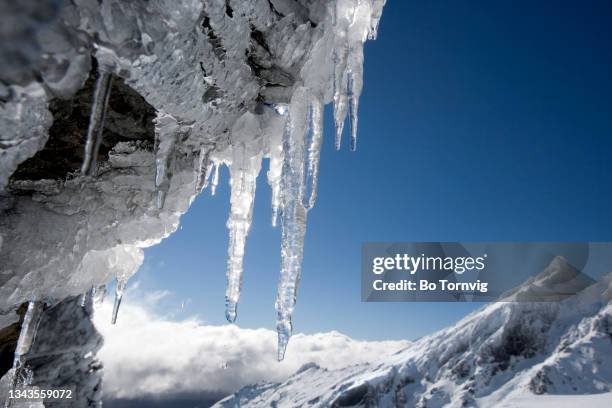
[146,355]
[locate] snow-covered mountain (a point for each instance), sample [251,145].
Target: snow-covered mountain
[510,353]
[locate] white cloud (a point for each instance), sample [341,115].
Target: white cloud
[147,355]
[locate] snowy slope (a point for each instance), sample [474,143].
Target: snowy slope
[505,354]
[558,401]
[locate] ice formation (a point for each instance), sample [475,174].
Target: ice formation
[204,169]
[293,218]
[244,168]
[215,179]
[99,294]
[120,288]
[21,374]
[230,83]
[25,122]
[96,121]
[355,22]
[314,142]
[275,167]
[28,330]
[167,131]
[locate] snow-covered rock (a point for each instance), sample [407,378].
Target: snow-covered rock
[506,351]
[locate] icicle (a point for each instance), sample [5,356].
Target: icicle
[334,12]
[243,176]
[166,132]
[100,294]
[377,8]
[204,169]
[353,107]
[276,165]
[357,21]
[355,86]
[27,335]
[275,204]
[29,327]
[340,93]
[215,179]
[315,132]
[293,216]
[96,121]
[118,296]
[90,294]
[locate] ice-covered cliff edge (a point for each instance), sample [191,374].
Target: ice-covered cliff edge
[114,115]
[505,354]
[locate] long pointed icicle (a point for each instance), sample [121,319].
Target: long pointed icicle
[358,21]
[215,179]
[243,171]
[204,169]
[293,220]
[166,133]
[377,8]
[355,86]
[118,296]
[315,134]
[100,294]
[29,327]
[340,93]
[89,295]
[353,108]
[96,121]
[27,335]
[275,204]
[276,167]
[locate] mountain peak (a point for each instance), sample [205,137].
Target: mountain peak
[557,281]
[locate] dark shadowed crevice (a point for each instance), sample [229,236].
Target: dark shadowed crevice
[215,42]
[262,63]
[259,38]
[228,9]
[352,397]
[274,10]
[129,118]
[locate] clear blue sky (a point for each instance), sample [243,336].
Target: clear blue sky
[479,121]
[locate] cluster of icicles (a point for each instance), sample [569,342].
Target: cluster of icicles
[294,162]
[293,172]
